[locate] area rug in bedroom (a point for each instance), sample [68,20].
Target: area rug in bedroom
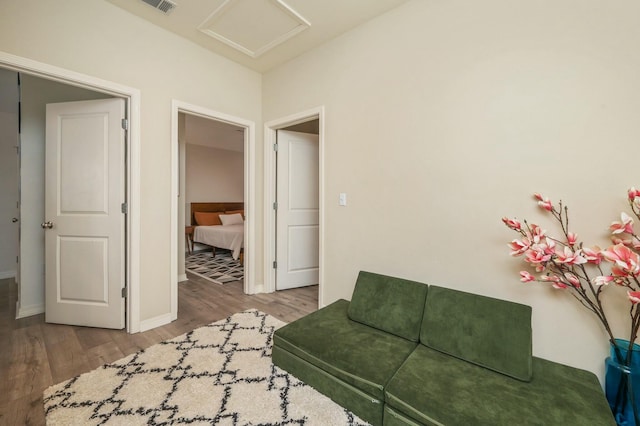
[220,269]
[217,374]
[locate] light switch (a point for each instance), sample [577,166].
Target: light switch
[343,199]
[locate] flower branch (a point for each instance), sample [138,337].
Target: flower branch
[567,264]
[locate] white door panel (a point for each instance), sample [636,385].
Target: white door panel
[84,255]
[298,210]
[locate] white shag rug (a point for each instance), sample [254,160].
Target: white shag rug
[218,374]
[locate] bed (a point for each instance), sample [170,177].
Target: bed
[210,230]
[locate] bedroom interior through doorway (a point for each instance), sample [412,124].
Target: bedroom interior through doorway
[183,112]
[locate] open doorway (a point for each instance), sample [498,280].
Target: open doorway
[297,206]
[308,125]
[212,188]
[30,297]
[212,140]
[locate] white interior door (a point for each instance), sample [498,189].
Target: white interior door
[297,217]
[84,224]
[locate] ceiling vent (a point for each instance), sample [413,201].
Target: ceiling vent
[164,6]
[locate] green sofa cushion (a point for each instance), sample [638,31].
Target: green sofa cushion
[359,403]
[390,304]
[437,389]
[361,356]
[492,333]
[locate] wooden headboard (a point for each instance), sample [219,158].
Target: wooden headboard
[213,207]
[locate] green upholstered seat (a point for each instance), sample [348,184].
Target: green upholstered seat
[489,332]
[359,355]
[394,305]
[433,388]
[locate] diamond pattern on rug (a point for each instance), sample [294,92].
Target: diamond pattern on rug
[217,374]
[220,269]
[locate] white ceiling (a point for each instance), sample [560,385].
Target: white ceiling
[260,34]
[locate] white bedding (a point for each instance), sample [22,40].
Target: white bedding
[229,237]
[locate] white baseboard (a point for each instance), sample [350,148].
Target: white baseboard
[27,311]
[182,278]
[7,274]
[258,288]
[158,321]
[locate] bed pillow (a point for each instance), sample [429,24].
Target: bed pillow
[235,211]
[207,218]
[231,219]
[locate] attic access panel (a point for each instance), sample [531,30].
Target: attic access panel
[254,26]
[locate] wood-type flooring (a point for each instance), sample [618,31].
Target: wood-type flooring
[35,355]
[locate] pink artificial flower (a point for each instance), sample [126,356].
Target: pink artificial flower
[626,261]
[526,277]
[603,280]
[593,255]
[634,296]
[570,257]
[518,247]
[512,223]
[625,225]
[573,280]
[548,247]
[543,202]
[572,238]
[551,278]
[555,280]
[536,254]
[546,204]
[633,193]
[632,243]
[536,233]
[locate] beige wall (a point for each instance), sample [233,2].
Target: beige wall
[96,38]
[213,175]
[444,116]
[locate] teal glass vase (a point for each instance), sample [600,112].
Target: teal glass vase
[622,384]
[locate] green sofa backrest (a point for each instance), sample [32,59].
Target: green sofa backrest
[489,332]
[394,305]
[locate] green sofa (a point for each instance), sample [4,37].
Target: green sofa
[404,353]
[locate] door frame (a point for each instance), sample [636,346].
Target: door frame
[131,97]
[270,137]
[249,193]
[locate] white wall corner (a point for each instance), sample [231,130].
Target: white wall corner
[182,278]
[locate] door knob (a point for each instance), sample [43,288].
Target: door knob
[14,220]
[47,225]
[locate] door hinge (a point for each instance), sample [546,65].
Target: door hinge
[275,147]
[275,265]
[125,124]
[275,205]
[124,292]
[124,208]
